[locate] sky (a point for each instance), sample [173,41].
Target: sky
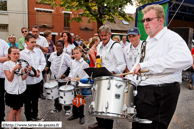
[130,9]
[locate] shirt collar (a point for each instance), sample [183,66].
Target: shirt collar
[159,35]
[137,45]
[107,45]
[80,60]
[27,50]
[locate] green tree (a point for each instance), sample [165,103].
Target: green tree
[142,2]
[95,10]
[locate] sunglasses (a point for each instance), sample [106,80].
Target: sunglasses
[24,31]
[148,19]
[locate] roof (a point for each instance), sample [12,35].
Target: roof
[119,24]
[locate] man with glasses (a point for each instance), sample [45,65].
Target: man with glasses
[124,42]
[133,50]
[21,41]
[166,55]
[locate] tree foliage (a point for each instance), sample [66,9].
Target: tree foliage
[142,2]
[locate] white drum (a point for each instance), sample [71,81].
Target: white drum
[113,97]
[85,89]
[66,95]
[51,89]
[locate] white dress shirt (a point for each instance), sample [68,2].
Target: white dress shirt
[3,53]
[69,49]
[75,68]
[37,60]
[56,62]
[112,60]
[124,44]
[17,85]
[42,41]
[133,55]
[167,55]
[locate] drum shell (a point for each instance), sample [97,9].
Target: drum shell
[85,89]
[117,98]
[51,89]
[66,96]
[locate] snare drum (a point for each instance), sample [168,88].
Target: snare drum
[66,95]
[112,98]
[51,89]
[85,89]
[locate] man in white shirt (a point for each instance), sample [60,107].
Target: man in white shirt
[111,54]
[34,57]
[41,43]
[166,56]
[132,52]
[124,42]
[3,57]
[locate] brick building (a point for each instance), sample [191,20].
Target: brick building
[56,19]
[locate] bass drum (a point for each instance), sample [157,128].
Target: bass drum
[112,98]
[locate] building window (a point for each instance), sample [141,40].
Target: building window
[44,18]
[66,19]
[3,5]
[85,24]
[3,26]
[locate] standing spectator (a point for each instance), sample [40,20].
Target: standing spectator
[21,41]
[93,51]
[116,38]
[12,40]
[124,42]
[77,40]
[69,46]
[3,57]
[41,41]
[47,34]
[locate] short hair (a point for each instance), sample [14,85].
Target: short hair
[68,35]
[9,51]
[104,28]
[60,41]
[29,36]
[92,41]
[117,37]
[157,8]
[46,33]
[35,26]
[78,48]
[24,28]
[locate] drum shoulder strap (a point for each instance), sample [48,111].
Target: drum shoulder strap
[113,44]
[143,51]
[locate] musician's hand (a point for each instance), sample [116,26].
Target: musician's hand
[69,78]
[37,73]
[63,76]
[18,66]
[127,71]
[46,70]
[136,70]
[113,72]
[30,68]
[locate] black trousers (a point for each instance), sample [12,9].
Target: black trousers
[157,104]
[31,102]
[57,105]
[2,102]
[78,111]
[105,123]
[41,88]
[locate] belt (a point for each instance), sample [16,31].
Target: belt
[163,85]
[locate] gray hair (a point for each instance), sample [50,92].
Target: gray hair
[104,28]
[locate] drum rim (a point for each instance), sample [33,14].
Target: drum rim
[60,88]
[46,88]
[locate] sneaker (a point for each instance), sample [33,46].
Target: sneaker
[38,119]
[68,113]
[54,111]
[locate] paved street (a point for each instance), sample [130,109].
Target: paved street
[182,119]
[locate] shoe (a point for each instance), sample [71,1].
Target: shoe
[54,111]
[95,126]
[68,113]
[38,119]
[42,96]
[82,120]
[72,118]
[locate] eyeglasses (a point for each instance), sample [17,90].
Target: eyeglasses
[148,19]
[24,31]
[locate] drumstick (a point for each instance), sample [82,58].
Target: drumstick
[143,71]
[66,83]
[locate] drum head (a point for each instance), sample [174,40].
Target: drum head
[68,87]
[84,84]
[50,84]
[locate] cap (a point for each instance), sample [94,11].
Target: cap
[133,30]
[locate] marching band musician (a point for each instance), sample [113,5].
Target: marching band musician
[112,58]
[166,56]
[133,50]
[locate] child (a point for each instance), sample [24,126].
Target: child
[59,63]
[15,85]
[34,57]
[77,66]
